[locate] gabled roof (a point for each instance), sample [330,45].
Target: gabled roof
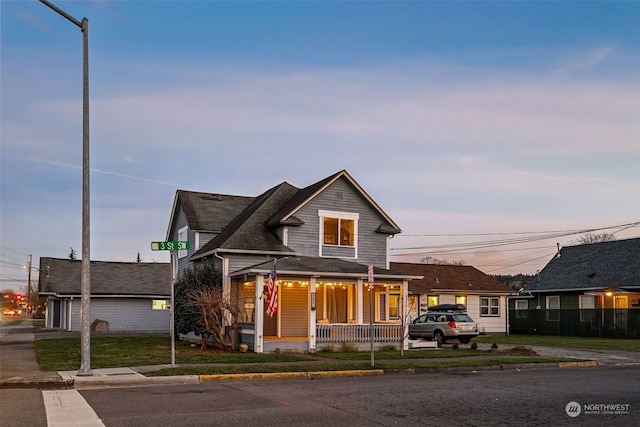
[208,211]
[450,278]
[247,231]
[287,213]
[324,267]
[606,265]
[247,224]
[62,277]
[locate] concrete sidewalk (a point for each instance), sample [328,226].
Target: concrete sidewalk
[19,369]
[18,365]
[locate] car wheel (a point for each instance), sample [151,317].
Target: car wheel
[439,336]
[465,340]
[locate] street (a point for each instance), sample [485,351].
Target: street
[488,398]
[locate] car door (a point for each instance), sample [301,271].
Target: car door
[417,328]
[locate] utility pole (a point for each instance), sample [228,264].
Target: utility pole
[85,296]
[29,283]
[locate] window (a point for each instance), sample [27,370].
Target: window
[388,306]
[335,302]
[587,306]
[338,228]
[521,308]
[182,237]
[160,304]
[490,306]
[553,308]
[339,231]
[461,299]
[432,301]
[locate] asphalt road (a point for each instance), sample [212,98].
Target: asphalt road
[484,398]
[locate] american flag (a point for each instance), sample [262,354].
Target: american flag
[272,292]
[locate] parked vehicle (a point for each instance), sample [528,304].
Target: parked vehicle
[441,326]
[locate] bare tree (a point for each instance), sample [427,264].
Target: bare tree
[436,261]
[218,314]
[589,238]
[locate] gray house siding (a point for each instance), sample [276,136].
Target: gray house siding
[123,314]
[342,197]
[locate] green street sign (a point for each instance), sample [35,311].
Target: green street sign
[170,246]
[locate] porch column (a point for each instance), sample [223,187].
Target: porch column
[405,314]
[312,314]
[258,316]
[359,300]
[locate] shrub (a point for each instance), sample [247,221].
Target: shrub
[347,348]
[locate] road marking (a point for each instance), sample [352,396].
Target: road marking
[67,408]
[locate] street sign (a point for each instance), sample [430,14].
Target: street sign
[170,246]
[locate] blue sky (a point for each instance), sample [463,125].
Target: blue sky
[463,120]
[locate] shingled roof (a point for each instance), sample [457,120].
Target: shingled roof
[306,265]
[606,265]
[249,223]
[209,211]
[62,277]
[247,230]
[450,278]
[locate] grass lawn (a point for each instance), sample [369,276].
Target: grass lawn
[63,354]
[592,344]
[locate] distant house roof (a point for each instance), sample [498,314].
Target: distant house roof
[248,223]
[306,265]
[596,266]
[62,277]
[449,279]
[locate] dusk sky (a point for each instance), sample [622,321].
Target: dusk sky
[488,131]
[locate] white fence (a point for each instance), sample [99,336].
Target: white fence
[358,333]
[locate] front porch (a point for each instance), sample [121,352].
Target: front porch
[329,335]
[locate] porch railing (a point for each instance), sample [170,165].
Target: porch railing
[358,333]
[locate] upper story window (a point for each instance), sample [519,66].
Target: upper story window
[338,228]
[182,236]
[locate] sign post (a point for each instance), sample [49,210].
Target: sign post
[174,247]
[370,278]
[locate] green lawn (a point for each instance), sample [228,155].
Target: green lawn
[593,344]
[63,354]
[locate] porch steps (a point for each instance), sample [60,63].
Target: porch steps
[423,344]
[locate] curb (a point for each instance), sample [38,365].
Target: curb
[88,382]
[37,384]
[584,364]
[289,375]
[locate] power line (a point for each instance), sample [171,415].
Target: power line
[629,225]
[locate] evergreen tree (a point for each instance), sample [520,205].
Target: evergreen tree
[188,318]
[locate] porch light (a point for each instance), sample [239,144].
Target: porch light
[608,293]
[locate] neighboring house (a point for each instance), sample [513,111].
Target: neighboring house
[484,296]
[127,296]
[324,237]
[588,289]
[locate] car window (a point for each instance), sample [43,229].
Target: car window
[431,318]
[442,318]
[421,319]
[462,318]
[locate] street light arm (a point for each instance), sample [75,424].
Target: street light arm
[63,13]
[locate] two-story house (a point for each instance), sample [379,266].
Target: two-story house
[325,237]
